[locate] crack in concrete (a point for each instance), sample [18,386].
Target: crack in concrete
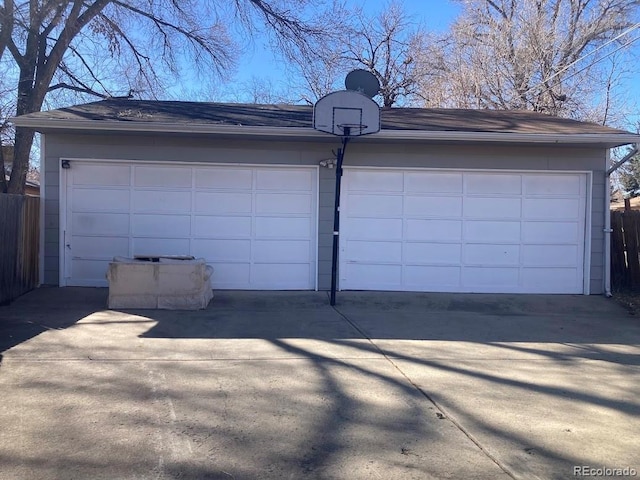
[442,410]
[168,441]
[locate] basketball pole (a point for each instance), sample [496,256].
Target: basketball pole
[328,112]
[336,214]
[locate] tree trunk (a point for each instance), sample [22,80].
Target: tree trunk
[23,142]
[3,179]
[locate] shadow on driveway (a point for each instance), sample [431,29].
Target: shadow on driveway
[47,308]
[282,385]
[476,318]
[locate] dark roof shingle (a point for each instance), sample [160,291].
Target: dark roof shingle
[432,119]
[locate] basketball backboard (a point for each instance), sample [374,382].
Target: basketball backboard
[346,113]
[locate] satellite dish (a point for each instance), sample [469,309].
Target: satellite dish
[362,81]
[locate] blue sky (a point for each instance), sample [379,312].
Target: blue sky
[434,15]
[259,63]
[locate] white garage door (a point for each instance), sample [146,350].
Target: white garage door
[255,225]
[450,231]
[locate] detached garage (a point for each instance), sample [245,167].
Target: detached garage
[438,200]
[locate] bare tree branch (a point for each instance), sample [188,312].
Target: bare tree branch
[214,50]
[383,45]
[91,47]
[540,55]
[75,88]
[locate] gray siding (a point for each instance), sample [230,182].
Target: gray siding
[327,185]
[199,149]
[51,170]
[599,187]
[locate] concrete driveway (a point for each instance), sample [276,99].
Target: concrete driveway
[282,386]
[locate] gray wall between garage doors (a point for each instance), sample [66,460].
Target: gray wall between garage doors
[360,152]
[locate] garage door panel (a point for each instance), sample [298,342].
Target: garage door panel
[116,224]
[432,253]
[428,182]
[223,202]
[552,185]
[89,273]
[375,228]
[492,208]
[283,203]
[375,205]
[279,180]
[155,176]
[289,276]
[224,179]
[490,255]
[431,276]
[217,226]
[164,226]
[230,275]
[99,247]
[161,201]
[255,225]
[550,208]
[160,246]
[374,277]
[100,200]
[551,232]
[282,227]
[433,230]
[281,251]
[551,255]
[488,278]
[431,206]
[111,175]
[493,184]
[363,251]
[477,231]
[222,250]
[378,181]
[544,280]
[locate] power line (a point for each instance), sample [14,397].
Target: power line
[598,60]
[566,67]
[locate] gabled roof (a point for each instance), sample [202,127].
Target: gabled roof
[286,121]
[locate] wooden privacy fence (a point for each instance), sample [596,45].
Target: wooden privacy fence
[19,245]
[625,250]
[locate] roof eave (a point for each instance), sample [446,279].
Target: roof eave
[603,139]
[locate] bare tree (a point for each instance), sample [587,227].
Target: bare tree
[259,91]
[541,55]
[609,103]
[108,47]
[314,77]
[383,44]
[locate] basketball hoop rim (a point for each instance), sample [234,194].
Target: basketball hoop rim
[352,125]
